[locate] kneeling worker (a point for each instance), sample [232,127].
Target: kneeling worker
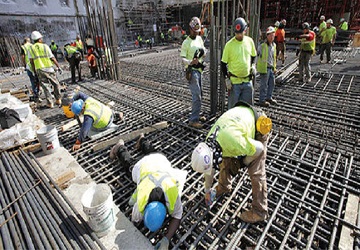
[237,139]
[158,191]
[97,116]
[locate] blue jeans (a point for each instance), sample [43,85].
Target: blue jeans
[196,94]
[34,85]
[241,92]
[267,84]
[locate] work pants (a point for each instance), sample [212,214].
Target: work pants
[267,85]
[241,92]
[327,48]
[304,64]
[74,63]
[49,77]
[196,95]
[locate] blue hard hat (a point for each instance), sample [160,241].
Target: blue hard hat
[77,106]
[154,216]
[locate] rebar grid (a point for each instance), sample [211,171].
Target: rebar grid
[312,162]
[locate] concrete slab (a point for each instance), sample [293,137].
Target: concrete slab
[123,234]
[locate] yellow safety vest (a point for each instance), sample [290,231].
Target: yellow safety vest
[53,47]
[308,45]
[152,177]
[98,111]
[41,54]
[79,44]
[70,50]
[26,48]
[262,62]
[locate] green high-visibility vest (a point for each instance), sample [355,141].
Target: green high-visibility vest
[151,177]
[262,61]
[41,54]
[26,48]
[70,50]
[53,47]
[308,45]
[100,113]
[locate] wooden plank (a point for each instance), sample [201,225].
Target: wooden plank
[70,124]
[65,177]
[352,207]
[130,136]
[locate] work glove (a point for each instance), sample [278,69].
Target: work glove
[60,70]
[228,84]
[163,244]
[210,197]
[253,70]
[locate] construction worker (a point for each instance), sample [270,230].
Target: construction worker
[54,48]
[79,46]
[158,190]
[280,41]
[73,57]
[97,116]
[192,54]
[307,49]
[328,37]
[322,25]
[238,65]
[27,65]
[162,37]
[266,66]
[277,23]
[238,139]
[343,25]
[42,59]
[139,38]
[91,58]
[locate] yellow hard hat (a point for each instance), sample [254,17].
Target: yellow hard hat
[263,125]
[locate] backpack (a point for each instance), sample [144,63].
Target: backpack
[8,118]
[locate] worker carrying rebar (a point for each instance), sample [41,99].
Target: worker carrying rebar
[73,57]
[54,48]
[343,25]
[192,54]
[238,139]
[238,65]
[280,41]
[266,66]
[307,50]
[328,37]
[42,59]
[158,191]
[26,61]
[97,116]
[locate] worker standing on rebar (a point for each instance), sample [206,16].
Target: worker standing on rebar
[193,53]
[158,191]
[54,48]
[42,59]
[238,65]
[307,49]
[343,25]
[238,139]
[73,57]
[266,66]
[328,40]
[280,41]
[91,58]
[322,27]
[97,116]
[27,65]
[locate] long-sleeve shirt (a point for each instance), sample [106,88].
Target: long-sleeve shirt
[88,120]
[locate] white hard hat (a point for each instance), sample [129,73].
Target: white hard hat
[270,30]
[322,18]
[35,35]
[202,159]
[277,23]
[329,21]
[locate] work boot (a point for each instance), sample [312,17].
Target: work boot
[272,101]
[138,142]
[252,217]
[50,105]
[195,124]
[58,102]
[264,104]
[202,119]
[114,149]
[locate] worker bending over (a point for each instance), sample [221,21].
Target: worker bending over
[237,139]
[97,116]
[158,190]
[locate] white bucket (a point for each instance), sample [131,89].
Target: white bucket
[48,138]
[97,204]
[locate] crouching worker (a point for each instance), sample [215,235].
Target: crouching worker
[158,191]
[237,139]
[97,116]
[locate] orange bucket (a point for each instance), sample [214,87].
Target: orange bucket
[67,111]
